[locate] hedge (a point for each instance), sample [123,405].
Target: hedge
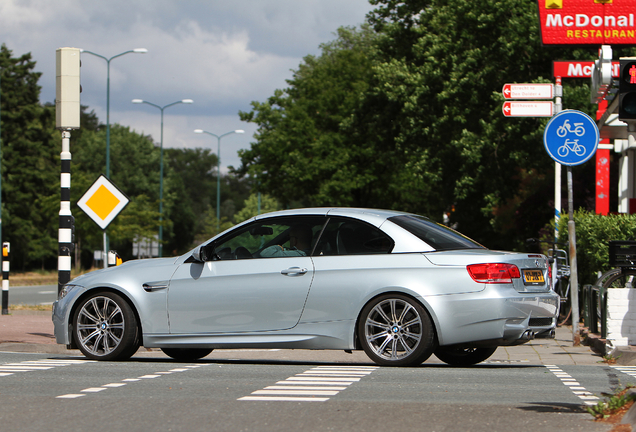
[593,232]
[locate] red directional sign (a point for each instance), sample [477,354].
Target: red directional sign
[528,109]
[528,91]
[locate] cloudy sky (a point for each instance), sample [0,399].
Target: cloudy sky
[223,54]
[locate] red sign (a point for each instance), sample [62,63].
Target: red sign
[581,22]
[528,109]
[579,69]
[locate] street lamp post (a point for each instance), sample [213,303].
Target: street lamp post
[137,51]
[161,108]
[218,171]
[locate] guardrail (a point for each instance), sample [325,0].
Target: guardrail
[594,299]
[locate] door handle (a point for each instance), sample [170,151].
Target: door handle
[294,271]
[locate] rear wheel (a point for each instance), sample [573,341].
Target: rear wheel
[186,354]
[395,330]
[618,278]
[105,327]
[463,356]
[562,288]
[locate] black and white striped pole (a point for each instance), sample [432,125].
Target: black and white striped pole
[67,117]
[5,277]
[65,236]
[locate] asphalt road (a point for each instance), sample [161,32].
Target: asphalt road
[40,392]
[32,295]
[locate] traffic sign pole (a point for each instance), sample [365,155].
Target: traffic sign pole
[574,273]
[571,138]
[557,180]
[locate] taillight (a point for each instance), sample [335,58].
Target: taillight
[493,272]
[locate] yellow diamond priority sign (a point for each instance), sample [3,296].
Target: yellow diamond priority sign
[103,202]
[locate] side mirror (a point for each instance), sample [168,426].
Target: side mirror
[204,253]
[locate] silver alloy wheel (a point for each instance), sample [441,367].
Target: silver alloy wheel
[393,329]
[100,326]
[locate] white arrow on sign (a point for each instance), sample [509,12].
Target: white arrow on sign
[528,109]
[528,91]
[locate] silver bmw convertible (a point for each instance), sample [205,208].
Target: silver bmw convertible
[397,285]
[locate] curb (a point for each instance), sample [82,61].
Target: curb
[624,355]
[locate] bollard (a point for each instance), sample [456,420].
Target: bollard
[5,278]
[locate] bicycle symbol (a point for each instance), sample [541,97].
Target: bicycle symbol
[571,145]
[563,130]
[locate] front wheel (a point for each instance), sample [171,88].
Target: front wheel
[186,354]
[395,330]
[463,356]
[105,327]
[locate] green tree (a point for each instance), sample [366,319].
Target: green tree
[406,114]
[30,164]
[191,174]
[444,63]
[252,205]
[134,162]
[302,153]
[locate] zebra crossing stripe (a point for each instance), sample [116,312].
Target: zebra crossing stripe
[629,370]
[124,382]
[576,388]
[8,369]
[312,385]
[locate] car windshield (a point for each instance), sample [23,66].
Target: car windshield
[438,236]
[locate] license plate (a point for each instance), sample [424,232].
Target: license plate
[533,277]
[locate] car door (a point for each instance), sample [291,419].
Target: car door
[256,282]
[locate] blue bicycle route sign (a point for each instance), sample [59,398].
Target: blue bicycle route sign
[571,137]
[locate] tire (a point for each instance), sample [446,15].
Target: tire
[617,278]
[563,151]
[186,354]
[463,356]
[607,276]
[105,327]
[565,309]
[396,330]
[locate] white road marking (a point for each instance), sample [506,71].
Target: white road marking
[629,370]
[287,399]
[70,396]
[124,382]
[8,369]
[318,381]
[576,388]
[93,389]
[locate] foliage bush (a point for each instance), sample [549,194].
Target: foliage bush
[593,233]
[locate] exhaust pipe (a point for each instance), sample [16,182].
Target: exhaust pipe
[527,335]
[548,334]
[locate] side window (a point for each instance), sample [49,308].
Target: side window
[344,236]
[272,238]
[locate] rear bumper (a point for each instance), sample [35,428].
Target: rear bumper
[497,316]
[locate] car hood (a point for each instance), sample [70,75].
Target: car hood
[143,270]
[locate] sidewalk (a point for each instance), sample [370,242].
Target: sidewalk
[32,331]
